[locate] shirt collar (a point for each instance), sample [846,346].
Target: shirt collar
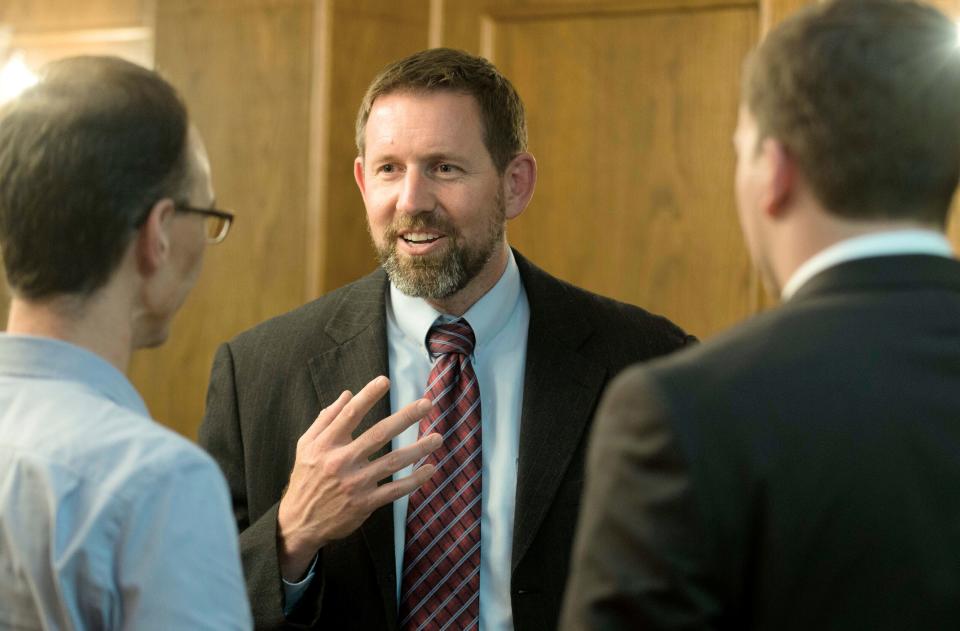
[487,316]
[890,243]
[47,358]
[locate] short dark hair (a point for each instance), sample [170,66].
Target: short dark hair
[84,154]
[865,95]
[445,69]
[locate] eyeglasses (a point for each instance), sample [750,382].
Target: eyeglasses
[216,222]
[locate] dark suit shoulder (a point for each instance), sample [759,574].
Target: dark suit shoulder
[614,327]
[621,318]
[306,330]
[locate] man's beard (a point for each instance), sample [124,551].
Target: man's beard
[441,275]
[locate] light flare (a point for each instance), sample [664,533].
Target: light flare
[15,77]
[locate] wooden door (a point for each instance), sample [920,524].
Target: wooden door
[631,107]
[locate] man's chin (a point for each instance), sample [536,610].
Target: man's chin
[424,280]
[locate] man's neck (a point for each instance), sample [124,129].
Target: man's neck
[90,323]
[813,233]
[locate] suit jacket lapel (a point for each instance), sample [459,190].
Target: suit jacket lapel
[358,328]
[561,389]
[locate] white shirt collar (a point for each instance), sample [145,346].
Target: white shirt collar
[890,243]
[487,316]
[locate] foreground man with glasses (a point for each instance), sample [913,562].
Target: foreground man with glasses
[107,520]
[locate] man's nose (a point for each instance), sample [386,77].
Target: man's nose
[416,194]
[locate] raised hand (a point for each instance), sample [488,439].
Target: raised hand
[333,485]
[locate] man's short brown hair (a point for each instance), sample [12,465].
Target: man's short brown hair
[865,95]
[84,154]
[445,69]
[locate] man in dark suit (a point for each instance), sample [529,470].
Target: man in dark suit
[801,471]
[485,541]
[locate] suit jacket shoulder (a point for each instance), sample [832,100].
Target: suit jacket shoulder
[613,328]
[330,319]
[795,442]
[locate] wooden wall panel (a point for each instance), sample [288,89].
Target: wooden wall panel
[631,111]
[359,38]
[245,70]
[61,15]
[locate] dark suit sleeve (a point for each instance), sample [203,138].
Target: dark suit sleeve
[640,559]
[220,434]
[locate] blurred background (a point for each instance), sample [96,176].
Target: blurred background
[631,107]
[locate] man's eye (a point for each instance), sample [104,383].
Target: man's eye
[446,168]
[387,168]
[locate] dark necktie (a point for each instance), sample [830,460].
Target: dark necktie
[440,586]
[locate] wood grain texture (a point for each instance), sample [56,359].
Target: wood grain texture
[630,116]
[365,35]
[61,15]
[245,71]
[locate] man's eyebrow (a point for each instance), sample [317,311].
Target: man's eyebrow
[439,156]
[435,156]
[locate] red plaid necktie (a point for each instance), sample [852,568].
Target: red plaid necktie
[440,587]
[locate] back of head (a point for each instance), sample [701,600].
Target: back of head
[439,69]
[84,154]
[865,96]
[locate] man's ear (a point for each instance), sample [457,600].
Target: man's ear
[358,175]
[519,180]
[153,237]
[782,177]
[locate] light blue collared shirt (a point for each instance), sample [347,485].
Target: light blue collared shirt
[107,519]
[500,321]
[889,243]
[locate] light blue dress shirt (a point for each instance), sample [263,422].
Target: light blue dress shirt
[107,519]
[500,321]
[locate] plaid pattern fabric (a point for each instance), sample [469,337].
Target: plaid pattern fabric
[440,586]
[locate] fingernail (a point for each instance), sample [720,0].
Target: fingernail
[424,405]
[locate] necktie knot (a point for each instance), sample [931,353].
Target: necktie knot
[450,337]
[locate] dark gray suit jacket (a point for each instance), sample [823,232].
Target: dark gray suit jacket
[269,383]
[801,472]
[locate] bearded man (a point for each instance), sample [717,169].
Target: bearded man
[512,360]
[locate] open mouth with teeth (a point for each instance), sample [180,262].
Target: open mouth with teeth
[421,238]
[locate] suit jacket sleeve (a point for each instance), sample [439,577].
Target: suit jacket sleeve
[221,435]
[640,557]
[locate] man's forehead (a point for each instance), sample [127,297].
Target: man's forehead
[436,106]
[432,122]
